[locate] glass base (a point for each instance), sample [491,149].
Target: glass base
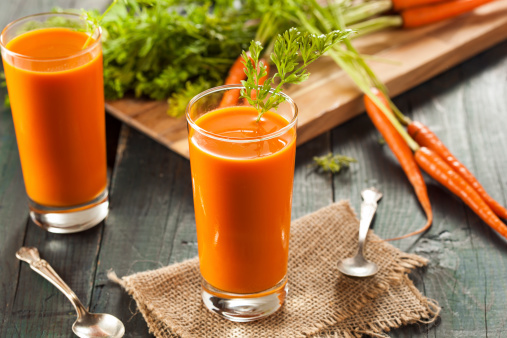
[66,220]
[244,307]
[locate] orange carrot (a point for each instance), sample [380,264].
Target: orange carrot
[404,155]
[399,5]
[426,138]
[235,76]
[437,168]
[419,16]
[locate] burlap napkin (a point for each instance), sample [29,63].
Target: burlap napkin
[321,300]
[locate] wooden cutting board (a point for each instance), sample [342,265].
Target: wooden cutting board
[329,97]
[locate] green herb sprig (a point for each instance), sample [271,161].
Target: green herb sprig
[290,48]
[333,163]
[94,21]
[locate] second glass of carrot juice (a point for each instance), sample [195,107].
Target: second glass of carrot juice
[53,69]
[242,177]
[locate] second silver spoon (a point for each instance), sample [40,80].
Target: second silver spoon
[358,266]
[88,324]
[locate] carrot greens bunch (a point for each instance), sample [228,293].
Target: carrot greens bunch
[171,48]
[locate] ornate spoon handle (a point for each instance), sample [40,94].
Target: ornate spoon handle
[42,267]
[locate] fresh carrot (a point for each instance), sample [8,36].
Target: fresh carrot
[420,16]
[417,16]
[404,155]
[426,138]
[399,5]
[235,76]
[437,168]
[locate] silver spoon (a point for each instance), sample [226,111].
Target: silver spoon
[358,266]
[87,324]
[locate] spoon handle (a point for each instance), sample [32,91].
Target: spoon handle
[368,209]
[42,267]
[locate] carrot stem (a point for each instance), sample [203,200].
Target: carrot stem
[404,155]
[262,79]
[365,10]
[359,79]
[399,115]
[360,73]
[437,168]
[426,138]
[376,24]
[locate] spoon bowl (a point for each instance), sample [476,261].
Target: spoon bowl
[354,268]
[358,266]
[87,325]
[98,325]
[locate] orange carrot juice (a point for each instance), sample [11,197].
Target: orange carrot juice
[242,173]
[56,93]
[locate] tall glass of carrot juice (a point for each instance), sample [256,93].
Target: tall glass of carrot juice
[53,69]
[242,176]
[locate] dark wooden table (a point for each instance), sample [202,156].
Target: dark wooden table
[151,220]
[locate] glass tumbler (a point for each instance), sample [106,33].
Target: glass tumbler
[53,69]
[242,178]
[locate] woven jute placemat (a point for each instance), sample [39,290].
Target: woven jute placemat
[321,301]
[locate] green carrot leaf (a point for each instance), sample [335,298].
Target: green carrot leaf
[333,163]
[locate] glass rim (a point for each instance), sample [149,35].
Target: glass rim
[28,57]
[232,139]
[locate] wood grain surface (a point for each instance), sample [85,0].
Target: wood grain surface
[151,221]
[405,58]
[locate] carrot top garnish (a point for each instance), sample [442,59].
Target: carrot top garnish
[289,47]
[262,79]
[95,22]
